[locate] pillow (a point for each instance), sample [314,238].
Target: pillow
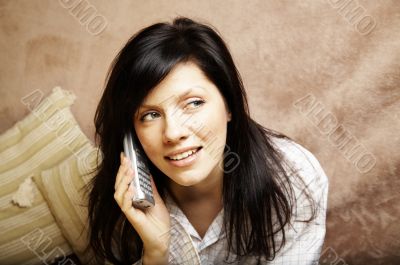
[44,138]
[63,186]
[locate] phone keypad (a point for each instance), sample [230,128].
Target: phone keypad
[145,183]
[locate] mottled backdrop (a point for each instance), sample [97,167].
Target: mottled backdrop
[325,72]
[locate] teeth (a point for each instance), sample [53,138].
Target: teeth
[183,155]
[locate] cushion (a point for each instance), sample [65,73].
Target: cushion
[64,187]
[47,136]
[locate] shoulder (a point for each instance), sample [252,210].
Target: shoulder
[301,159]
[307,178]
[305,237]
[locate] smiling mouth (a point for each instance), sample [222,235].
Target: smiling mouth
[183,155]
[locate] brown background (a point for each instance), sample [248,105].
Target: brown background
[343,55]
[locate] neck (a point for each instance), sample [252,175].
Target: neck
[209,190]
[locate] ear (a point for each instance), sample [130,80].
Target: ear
[229,116]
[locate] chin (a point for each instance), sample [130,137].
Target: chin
[186,181]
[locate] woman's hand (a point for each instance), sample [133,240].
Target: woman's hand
[152,224]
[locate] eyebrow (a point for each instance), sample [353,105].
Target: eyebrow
[184,94]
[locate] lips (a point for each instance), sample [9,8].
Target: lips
[190,159]
[183,153]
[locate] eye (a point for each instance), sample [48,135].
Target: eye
[195,104]
[149,116]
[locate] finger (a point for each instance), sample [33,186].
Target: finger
[134,215]
[124,171]
[123,186]
[126,202]
[121,171]
[125,167]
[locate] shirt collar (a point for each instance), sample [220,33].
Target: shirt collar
[214,232]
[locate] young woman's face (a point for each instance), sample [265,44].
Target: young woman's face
[182,126]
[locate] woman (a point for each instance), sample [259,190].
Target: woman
[226,189]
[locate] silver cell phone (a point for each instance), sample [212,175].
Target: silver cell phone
[143,192]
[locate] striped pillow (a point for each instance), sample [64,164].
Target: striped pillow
[44,138]
[64,187]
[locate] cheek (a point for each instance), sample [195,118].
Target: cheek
[210,129]
[147,139]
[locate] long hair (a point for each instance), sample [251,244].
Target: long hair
[257,198]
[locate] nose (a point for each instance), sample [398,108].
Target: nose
[174,130]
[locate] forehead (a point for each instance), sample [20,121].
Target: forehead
[183,80]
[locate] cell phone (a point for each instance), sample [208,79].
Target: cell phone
[143,192]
